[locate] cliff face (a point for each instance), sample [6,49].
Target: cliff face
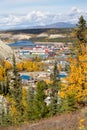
[5,51]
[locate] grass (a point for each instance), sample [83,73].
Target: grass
[61,122]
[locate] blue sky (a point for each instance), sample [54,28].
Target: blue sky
[53,6]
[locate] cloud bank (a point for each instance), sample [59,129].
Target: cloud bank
[38,18]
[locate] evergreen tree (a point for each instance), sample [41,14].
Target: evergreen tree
[30,104]
[68,104]
[15,91]
[80,30]
[54,78]
[16,83]
[40,107]
[7,80]
[80,33]
[55,86]
[4,85]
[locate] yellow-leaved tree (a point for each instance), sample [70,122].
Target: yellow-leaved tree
[75,88]
[76,82]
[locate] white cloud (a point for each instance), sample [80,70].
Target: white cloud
[38,18]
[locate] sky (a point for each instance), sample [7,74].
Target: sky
[31,13]
[52,6]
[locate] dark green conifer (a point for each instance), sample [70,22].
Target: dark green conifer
[55,86]
[40,107]
[80,29]
[16,89]
[30,106]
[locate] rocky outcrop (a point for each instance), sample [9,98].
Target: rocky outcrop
[5,51]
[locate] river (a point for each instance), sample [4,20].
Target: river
[23,43]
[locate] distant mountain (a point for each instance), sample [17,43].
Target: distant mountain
[61,25]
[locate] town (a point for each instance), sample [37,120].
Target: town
[47,54]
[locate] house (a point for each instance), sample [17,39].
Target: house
[24,52]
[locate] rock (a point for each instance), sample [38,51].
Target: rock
[5,51]
[42,35]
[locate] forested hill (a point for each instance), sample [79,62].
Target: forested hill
[40,30]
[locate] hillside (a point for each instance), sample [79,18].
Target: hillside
[39,30]
[5,51]
[61,122]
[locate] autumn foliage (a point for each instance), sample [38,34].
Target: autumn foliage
[76,82]
[30,66]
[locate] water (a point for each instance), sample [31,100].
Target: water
[27,43]
[22,43]
[62,76]
[25,77]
